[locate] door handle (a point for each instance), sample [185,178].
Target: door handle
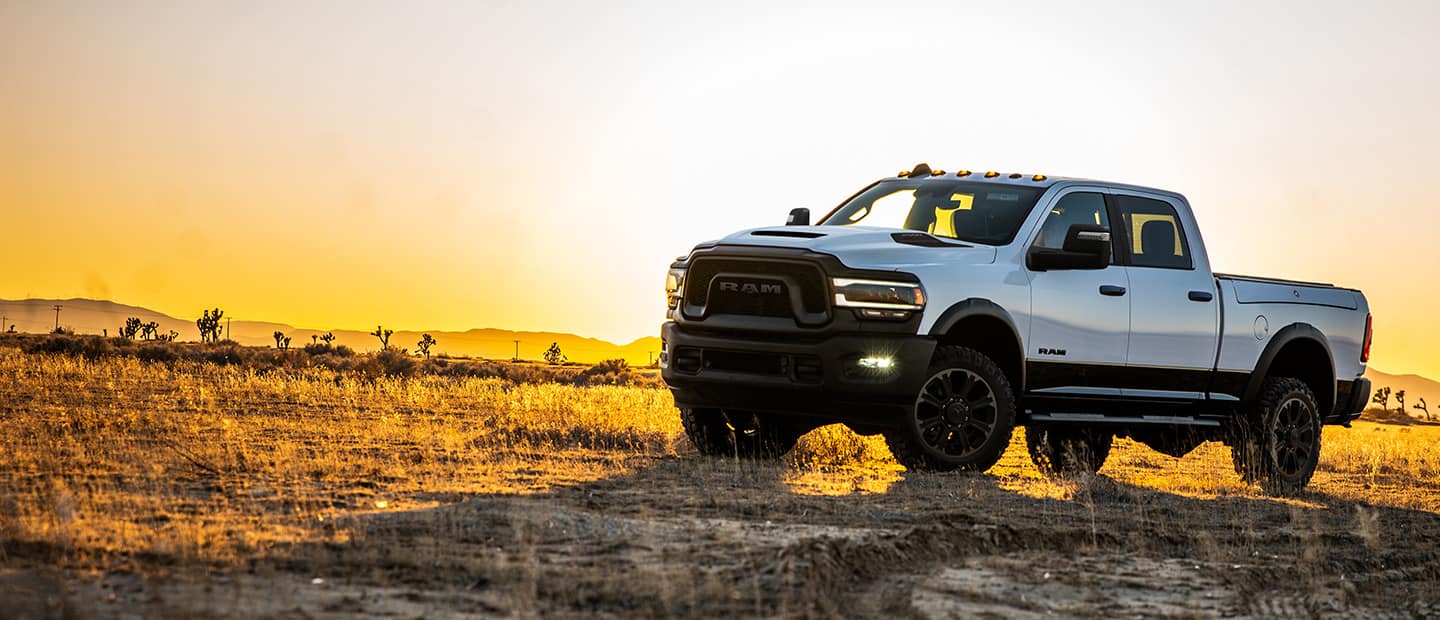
[1201,296]
[1112,290]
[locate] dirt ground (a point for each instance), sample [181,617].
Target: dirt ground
[653,530]
[686,536]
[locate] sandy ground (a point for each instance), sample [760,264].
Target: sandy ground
[686,536]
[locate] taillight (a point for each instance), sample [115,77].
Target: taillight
[1365,350]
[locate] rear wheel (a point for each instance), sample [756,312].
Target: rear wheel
[742,434]
[1277,444]
[1068,450]
[962,418]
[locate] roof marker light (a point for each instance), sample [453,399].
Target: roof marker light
[903,174]
[1014,175]
[962,173]
[1038,177]
[936,173]
[991,174]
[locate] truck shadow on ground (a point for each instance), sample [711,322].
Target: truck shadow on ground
[699,536]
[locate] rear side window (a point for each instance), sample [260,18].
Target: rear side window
[1156,237]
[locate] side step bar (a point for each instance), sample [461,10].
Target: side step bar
[1097,418]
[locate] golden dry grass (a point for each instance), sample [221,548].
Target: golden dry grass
[117,465]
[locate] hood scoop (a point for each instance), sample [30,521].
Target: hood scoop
[797,234]
[925,241]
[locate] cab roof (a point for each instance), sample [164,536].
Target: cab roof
[924,171]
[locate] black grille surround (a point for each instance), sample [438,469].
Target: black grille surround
[758,287]
[802,309]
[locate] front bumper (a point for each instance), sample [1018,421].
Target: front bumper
[802,377]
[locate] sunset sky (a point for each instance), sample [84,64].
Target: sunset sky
[535,165]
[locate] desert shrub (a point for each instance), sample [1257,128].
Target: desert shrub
[387,363]
[156,353]
[89,347]
[608,372]
[225,353]
[338,350]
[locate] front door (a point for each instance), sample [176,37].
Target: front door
[1079,318]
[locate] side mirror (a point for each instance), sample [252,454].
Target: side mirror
[1087,246]
[798,217]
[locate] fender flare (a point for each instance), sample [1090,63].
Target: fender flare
[974,307]
[1291,333]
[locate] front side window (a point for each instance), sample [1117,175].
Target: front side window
[1156,237]
[1071,209]
[986,213]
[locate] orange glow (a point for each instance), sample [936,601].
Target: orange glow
[531,167]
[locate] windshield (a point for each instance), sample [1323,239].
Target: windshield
[985,213]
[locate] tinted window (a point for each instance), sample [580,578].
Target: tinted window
[1156,237]
[1077,208]
[988,213]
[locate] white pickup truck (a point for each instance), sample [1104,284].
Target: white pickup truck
[944,309]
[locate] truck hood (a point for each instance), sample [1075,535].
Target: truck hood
[863,247]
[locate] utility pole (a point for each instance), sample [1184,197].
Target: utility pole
[227,327]
[517,352]
[4,324]
[57,316]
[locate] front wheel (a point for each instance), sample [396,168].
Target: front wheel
[962,418]
[741,434]
[1278,443]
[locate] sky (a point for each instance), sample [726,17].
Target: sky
[537,165]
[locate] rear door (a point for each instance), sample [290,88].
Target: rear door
[1080,318]
[1174,306]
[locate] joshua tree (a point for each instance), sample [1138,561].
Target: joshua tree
[170,337]
[327,338]
[314,339]
[131,328]
[11,329]
[1425,409]
[384,336]
[424,345]
[1382,398]
[553,354]
[281,340]
[149,330]
[209,324]
[1400,398]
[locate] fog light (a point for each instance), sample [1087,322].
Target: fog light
[876,363]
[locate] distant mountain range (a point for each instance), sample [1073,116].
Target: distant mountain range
[1415,386]
[89,316]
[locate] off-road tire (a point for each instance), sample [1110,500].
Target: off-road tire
[737,434]
[1277,443]
[941,434]
[1068,450]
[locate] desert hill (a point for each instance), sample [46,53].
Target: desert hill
[89,316]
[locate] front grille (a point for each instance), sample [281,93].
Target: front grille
[756,287]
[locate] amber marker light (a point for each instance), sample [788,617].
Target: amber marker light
[991,174]
[1038,177]
[962,173]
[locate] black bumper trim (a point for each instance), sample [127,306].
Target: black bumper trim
[783,382]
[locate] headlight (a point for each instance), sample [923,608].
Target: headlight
[878,294]
[674,286]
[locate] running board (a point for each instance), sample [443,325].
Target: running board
[1111,419]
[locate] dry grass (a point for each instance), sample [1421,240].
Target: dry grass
[115,466]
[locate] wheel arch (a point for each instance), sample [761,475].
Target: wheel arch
[1301,351]
[985,326]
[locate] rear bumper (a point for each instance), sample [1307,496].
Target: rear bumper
[1355,398]
[813,378]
